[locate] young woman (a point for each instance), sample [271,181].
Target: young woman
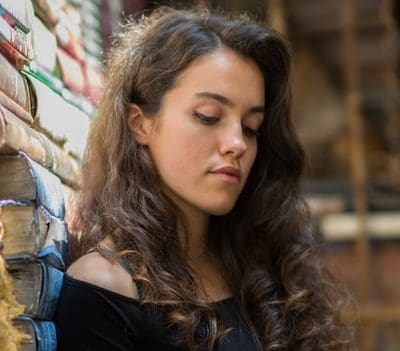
[195,235]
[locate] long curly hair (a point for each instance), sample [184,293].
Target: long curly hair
[265,245]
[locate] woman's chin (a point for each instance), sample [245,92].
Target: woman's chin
[220,209]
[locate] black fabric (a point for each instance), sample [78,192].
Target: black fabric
[90,318]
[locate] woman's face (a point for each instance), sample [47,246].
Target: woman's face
[204,138]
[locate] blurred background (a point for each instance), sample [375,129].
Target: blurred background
[345,107]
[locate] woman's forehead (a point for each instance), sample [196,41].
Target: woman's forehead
[225,73]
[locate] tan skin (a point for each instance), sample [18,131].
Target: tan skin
[208,120]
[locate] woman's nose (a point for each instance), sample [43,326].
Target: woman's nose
[233,142]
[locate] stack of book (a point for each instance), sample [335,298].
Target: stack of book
[34,241]
[48,95]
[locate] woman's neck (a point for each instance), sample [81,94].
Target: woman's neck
[192,234]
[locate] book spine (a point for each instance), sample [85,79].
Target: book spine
[52,282]
[22,231]
[41,334]
[48,11]
[20,12]
[37,285]
[40,73]
[92,36]
[30,230]
[71,71]
[12,21]
[16,109]
[94,84]
[20,41]
[12,54]
[59,118]
[15,135]
[34,69]
[55,249]
[48,188]
[69,33]
[13,84]
[44,44]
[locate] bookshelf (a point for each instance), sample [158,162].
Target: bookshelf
[51,64]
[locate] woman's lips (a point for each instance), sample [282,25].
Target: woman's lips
[228,174]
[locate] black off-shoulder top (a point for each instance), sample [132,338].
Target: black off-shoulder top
[91,318]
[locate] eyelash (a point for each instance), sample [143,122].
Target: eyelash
[210,120]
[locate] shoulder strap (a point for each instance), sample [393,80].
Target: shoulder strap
[123,261]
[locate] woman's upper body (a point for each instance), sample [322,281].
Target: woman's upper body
[103,311]
[192,173]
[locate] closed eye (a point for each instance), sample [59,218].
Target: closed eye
[210,120]
[205,119]
[251,133]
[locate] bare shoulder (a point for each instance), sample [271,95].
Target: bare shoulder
[97,270]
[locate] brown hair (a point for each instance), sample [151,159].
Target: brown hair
[265,243]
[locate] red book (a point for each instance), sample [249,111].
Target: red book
[68,32]
[69,42]
[71,71]
[94,84]
[18,13]
[15,45]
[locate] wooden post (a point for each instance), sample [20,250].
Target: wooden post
[276,16]
[351,70]
[391,107]
[358,161]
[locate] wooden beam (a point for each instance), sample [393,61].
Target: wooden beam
[391,103]
[351,75]
[276,15]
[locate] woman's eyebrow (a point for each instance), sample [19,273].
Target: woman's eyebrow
[217,97]
[226,101]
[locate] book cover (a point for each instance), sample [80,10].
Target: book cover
[15,135]
[30,230]
[94,83]
[90,35]
[69,33]
[21,41]
[90,18]
[15,45]
[16,109]
[18,13]
[41,335]
[60,118]
[35,70]
[13,84]
[48,11]
[71,71]
[37,286]
[24,179]
[10,336]
[93,61]
[44,45]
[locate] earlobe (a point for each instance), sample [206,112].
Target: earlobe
[138,124]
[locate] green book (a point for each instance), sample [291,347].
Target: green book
[35,70]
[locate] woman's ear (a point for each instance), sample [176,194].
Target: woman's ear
[139,125]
